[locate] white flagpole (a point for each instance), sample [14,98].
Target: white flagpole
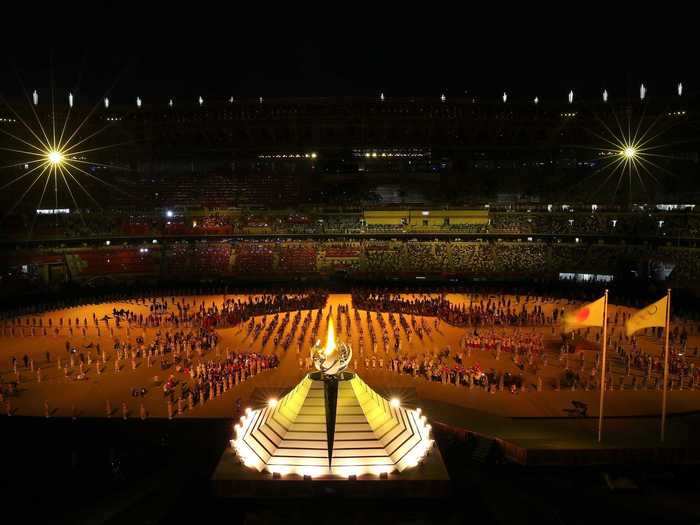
[667,330]
[602,368]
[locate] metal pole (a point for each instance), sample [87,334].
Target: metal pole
[667,330]
[602,368]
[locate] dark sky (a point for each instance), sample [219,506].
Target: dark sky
[345,49]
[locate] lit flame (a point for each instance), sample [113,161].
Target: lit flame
[330,338]
[333,357]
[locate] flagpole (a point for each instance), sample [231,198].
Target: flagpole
[667,330]
[602,368]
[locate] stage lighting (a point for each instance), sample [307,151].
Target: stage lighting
[629,152]
[55,157]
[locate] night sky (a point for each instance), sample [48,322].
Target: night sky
[345,49]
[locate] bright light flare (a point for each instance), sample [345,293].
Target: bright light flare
[55,157]
[629,152]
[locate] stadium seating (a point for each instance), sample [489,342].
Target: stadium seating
[211,258]
[297,258]
[254,258]
[273,258]
[104,262]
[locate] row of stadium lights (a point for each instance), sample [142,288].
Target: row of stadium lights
[139,100]
[570,96]
[374,155]
[312,155]
[443,97]
[141,250]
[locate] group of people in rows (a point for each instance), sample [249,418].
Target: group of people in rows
[206,380]
[185,336]
[449,366]
[481,310]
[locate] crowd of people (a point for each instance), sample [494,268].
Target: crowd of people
[533,219]
[448,366]
[184,341]
[525,260]
[231,312]
[480,311]
[212,378]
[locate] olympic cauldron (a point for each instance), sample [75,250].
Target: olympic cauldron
[332,425]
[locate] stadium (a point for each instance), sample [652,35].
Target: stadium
[260,303]
[310,187]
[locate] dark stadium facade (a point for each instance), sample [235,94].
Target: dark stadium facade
[263,188]
[257,152]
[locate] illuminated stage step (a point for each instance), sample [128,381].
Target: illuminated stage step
[369,436]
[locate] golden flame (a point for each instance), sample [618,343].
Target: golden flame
[330,338]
